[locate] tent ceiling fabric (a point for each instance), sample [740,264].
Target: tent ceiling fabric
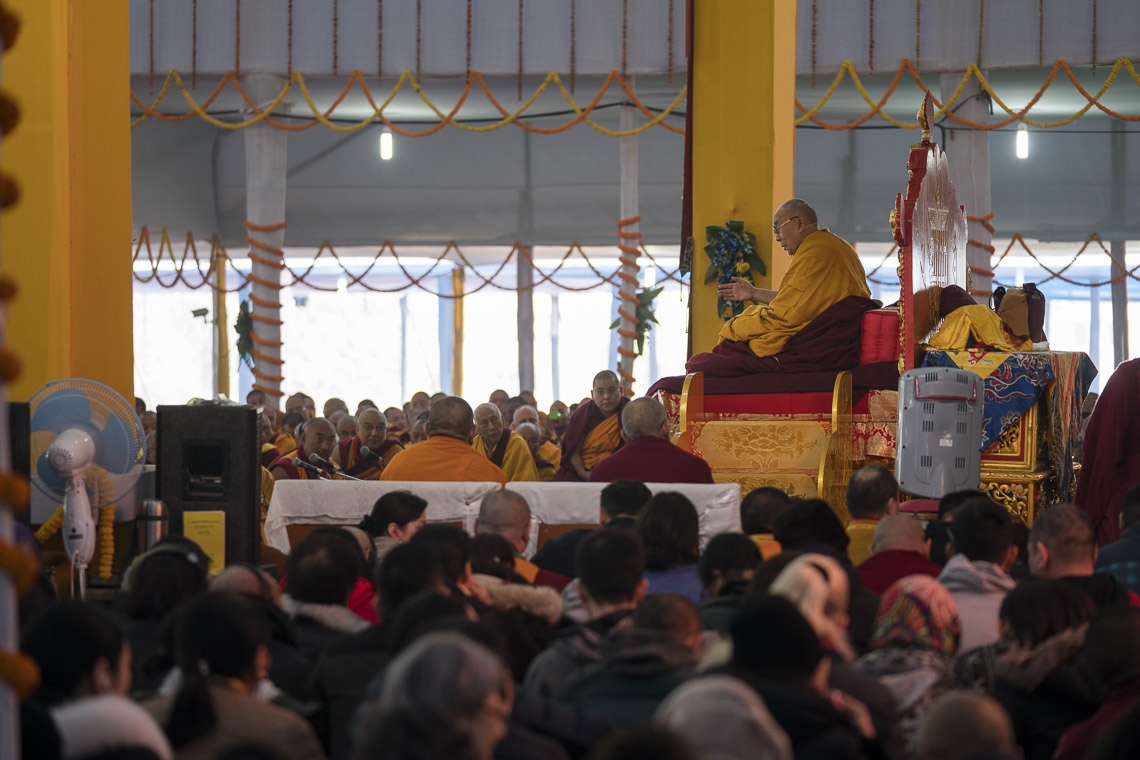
[455,185]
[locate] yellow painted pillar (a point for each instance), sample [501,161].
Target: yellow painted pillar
[743,136]
[67,243]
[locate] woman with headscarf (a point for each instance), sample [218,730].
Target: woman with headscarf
[913,644]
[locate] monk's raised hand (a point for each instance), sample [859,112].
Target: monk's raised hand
[737,290]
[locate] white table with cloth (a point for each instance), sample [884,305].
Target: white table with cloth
[322,502]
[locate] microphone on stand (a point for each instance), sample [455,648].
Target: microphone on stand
[329,468]
[370,453]
[298,462]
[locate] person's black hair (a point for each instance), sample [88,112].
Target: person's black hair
[1131,509]
[949,503]
[760,509]
[292,419]
[726,555]
[870,490]
[671,613]
[670,531]
[1110,645]
[493,554]
[324,566]
[215,634]
[982,530]
[172,572]
[451,544]
[405,571]
[610,564]
[644,743]
[424,613]
[773,641]
[249,752]
[624,498]
[66,640]
[399,507]
[811,521]
[768,571]
[1036,610]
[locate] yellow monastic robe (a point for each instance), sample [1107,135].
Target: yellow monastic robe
[285,444]
[825,269]
[602,441]
[551,452]
[517,462]
[977,322]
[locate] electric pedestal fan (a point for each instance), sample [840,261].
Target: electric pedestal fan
[83,435]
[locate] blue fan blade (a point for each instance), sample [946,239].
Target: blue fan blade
[63,409]
[116,450]
[48,478]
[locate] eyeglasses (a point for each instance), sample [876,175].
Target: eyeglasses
[776,227]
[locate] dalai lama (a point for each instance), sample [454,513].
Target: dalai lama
[372,434]
[594,430]
[825,272]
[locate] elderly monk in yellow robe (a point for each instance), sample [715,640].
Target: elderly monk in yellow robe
[366,454]
[505,448]
[447,455]
[530,433]
[594,430]
[547,449]
[825,269]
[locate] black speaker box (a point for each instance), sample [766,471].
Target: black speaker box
[207,460]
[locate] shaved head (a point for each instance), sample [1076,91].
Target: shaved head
[644,417]
[319,437]
[507,514]
[346,426]
[334,405]
[452,418]
[247,579]
[796,207]
[606,392]
[530,433]
[524,414]
[489,423]
[900,532]
[372,427]
[965,724]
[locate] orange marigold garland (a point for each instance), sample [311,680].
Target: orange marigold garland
[51,527]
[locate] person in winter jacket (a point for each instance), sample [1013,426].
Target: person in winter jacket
[976,573]
[1042,681]
[611,565]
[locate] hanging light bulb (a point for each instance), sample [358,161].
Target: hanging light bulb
[1022,145]
[385,145]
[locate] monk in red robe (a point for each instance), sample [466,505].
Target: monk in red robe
[397,425]
[366,454]
[317,437]
[648,455]
[594,430]
[1111,462]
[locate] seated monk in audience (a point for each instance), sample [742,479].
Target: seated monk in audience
[286,442]
[447,454]
[548,450]
[530,434]
[825,270]
[556,420]
[397,424]
[648,455]
[418,433]
[594,430]
[345,426]
[499,398]
[269,452]
[504,448]
[334,405]
[367,453]
[420,403]
[302,404]
[317,437]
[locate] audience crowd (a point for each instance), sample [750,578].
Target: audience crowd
[799,637]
